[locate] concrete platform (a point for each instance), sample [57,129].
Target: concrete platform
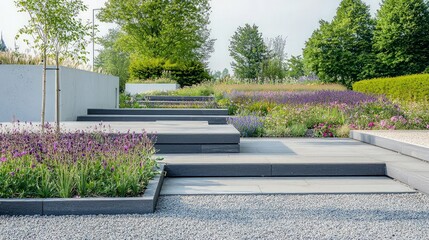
[171,137]
[270,151]
[153,118]
[158,111]
[295,185]
[180,98]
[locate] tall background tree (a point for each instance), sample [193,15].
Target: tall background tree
[111,59]
[176,30]
[341,51]
[401,37]
[248,50]
[274,66]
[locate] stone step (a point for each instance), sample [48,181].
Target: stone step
[274,169]
[217,119]
[179,98]
[283,185]
[158,111]
[181,104]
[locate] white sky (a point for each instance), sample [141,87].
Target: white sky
[294,19]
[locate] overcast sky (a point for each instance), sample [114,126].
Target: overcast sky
[294,19]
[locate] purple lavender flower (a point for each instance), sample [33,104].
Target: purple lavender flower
[3,159]
[300,98]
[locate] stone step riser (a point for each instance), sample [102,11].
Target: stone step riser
[153,118]
[276,170]
[163,111]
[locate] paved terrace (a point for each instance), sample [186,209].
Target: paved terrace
[270,154]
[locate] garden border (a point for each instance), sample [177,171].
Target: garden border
[88,206]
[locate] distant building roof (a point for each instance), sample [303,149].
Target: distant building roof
[3,47]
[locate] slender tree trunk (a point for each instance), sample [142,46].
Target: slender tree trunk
[44,90]
[57,93]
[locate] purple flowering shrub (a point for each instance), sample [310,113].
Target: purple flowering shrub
[248,126]
[78,164]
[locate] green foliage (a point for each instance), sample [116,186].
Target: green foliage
[341,51]
[127,101]
[406,88]
[55,27]
[401,37]
[249,52]
[112,59]
[295,67]
[185,74]
[174,30]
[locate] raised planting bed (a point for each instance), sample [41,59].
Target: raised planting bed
[87,206]
[80,171]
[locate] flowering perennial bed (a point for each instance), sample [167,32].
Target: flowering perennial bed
[324,113]
[78,164]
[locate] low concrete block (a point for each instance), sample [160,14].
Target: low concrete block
[153,118]
[218,170]
[21,206]
[158,111]
[329,169]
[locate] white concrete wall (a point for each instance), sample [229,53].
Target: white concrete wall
[21,93]
[136,88]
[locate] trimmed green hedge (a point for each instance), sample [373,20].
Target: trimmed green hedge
[185,74]
[408,88]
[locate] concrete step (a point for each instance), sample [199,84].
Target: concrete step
[217,119]
[178,104]
[159,111]
[179,98]
[280,185]
[274,169]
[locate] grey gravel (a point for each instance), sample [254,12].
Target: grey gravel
[401,216]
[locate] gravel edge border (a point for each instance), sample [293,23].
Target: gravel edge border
[88,206]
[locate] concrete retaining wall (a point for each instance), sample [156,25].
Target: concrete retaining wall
[21,93]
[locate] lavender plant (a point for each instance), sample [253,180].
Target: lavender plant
[78,164]
[248,126]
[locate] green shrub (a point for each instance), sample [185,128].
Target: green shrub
[185,74]
[406,88]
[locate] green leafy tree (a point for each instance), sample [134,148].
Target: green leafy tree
[249,52]
[401,37]
[175,30]
[274,67]
[112,60]
[295,67]
[57,32]
[341,51]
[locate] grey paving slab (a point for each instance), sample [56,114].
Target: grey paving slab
[211,119]
[180,98]
[195,186]
[157,111]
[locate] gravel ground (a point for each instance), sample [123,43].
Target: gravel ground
[420,137]
[402,216]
